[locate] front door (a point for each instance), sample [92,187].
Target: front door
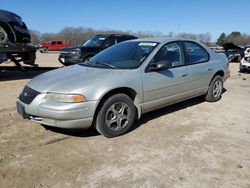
[166,86]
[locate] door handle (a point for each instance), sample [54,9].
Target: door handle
[209,69]
[184,75]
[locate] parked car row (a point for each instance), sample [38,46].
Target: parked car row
[233,52]
[236,53]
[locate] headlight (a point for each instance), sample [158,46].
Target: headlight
[66,98]
[75,51]
[19,20]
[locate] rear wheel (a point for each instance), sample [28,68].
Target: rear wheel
[116,116]
[3,35]
[215,89]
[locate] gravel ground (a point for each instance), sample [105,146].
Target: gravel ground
[190,144]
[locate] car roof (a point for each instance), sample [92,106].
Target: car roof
[162,39]
[117,35]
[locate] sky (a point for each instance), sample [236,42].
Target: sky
[178,16]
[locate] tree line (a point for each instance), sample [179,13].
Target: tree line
[79,35]
[234,37]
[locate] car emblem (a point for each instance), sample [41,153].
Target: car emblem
[25,94]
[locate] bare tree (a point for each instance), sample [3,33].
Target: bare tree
[79,35]
[35,36]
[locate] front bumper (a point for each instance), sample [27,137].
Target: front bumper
[68,59]
[62,115]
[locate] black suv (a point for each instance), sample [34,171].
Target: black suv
[12,28]
[76,54]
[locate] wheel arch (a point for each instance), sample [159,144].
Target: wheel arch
[131,93]
[220,73]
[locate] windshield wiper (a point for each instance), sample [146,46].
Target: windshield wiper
[105,64]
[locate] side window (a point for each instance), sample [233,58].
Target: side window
[53,42]
[59,42]
[109,42]
[171,52]
[195,53]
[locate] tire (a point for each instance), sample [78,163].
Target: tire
[215,89]
[242,70]
[3,36]
[45,50]
[239,58]
[116,116]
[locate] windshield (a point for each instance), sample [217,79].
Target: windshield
[95,41]
[126,55]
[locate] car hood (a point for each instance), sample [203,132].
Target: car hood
[75,79]
[83,48]
[68,48]
[229,46]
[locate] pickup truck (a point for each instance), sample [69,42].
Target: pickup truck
[54,45]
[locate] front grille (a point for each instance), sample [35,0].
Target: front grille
[28,95]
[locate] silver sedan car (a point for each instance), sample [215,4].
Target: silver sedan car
[114,88]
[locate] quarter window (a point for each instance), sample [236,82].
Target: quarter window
[195,53]
[171,52]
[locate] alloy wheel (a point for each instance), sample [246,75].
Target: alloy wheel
[117,116]
[217,88]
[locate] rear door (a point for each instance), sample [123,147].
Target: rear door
[201,68]
[166,86]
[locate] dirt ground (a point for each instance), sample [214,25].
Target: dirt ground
[190,144]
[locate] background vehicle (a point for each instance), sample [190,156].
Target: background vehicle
[245,63]
[76,54]
[119,84]
[218,49]
[14,37]
[247,50]
[233,52]
[12,28]
[54,45]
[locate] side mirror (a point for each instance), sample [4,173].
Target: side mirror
[160,65]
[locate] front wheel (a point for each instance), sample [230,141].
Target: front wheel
[242,70]
[215,89]
[3,35]
[116,116]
